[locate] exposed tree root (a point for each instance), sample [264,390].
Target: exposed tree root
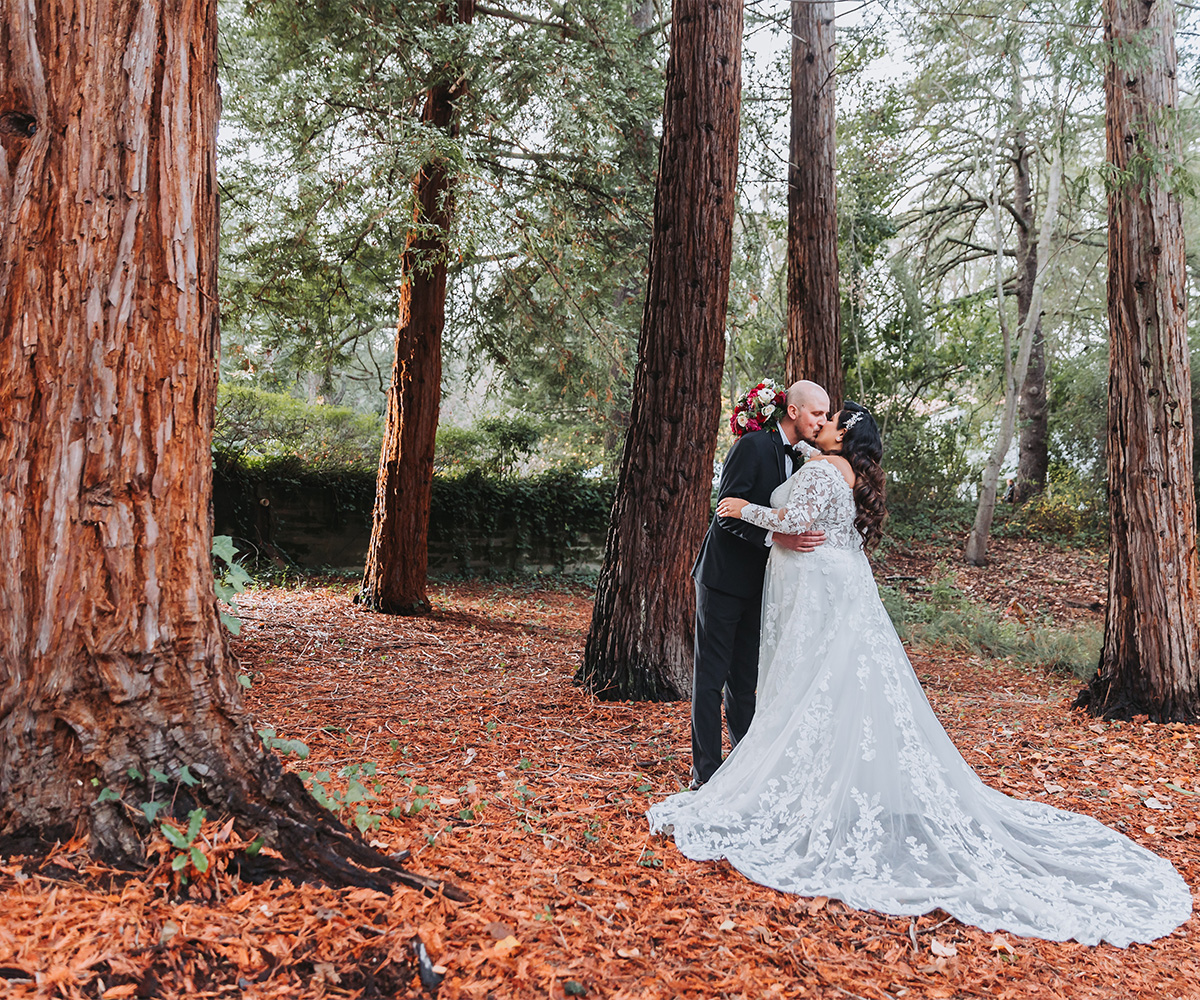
[1104,698]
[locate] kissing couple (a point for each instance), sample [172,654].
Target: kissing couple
[841,781]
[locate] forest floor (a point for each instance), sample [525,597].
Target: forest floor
[501,776]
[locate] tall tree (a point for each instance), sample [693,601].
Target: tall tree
[1015,370]
[1033,405]
[555,163]
[640,641]
[116,684]
[965,59]
[398,555]
[1151,658]
[814,347]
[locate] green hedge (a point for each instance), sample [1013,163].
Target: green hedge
[550,511]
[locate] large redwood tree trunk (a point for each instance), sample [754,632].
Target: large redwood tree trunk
[639,645]
[394,580]
[1151,658]
[112,659]
[814,345]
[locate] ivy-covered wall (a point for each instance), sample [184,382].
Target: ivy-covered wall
[285,511]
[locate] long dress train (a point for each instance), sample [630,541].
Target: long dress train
[847,786]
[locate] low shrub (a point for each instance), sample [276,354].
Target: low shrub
[949,618]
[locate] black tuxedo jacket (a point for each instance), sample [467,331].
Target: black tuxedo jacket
[733,556]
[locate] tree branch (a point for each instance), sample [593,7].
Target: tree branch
[508,15]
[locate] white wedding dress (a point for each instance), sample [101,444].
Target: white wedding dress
[847,786]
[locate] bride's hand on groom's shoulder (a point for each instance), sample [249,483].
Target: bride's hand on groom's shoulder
[731,507]
[806,541]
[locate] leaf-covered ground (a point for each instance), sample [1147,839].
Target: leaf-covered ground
[508,780]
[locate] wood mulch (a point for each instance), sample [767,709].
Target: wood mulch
[518,786]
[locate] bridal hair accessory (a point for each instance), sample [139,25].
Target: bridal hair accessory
[853,420]
[759,408]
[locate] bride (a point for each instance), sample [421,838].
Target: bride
[847,786]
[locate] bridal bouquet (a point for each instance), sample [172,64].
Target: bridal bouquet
[761,407]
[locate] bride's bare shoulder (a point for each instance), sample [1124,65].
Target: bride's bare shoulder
[838,463]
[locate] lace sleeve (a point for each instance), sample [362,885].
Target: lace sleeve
[812,492]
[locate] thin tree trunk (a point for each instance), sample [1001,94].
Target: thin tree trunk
[394,579]
[1151,658]
[975,551]
[1033,463]
[639,645]
[112,662]
[814,346]
[1033,405]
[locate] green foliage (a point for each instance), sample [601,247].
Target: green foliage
[181,837]
[555,154]
[350,803]
[555,151]
[230,578]
[926,465]
[493,446]
[1071,510]
[285,747]
[320,138]
[251,423]
[949,618]
[184,841]
[553,509]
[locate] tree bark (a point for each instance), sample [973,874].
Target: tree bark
[1151,658]
[639,645]
[1033,405]
[113,664]
[814,346]
[394,579]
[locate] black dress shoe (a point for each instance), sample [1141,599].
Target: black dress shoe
[696,785]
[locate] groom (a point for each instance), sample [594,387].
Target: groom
[729,578]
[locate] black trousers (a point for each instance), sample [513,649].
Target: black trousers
[725,670]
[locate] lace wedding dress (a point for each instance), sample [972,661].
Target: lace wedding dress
[847,786]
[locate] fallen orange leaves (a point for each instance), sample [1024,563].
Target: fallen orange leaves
[531,797]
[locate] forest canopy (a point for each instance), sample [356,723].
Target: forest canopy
[560,113]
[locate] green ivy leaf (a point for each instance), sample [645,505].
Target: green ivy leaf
[151,810]
[365,820]
[187,777]
[222,548]
[318,793]
[108,795]
[175,838]
[195,818]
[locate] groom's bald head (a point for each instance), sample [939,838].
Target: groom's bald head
[807,394]
[807,410]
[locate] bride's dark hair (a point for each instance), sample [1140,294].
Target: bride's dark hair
[862,447]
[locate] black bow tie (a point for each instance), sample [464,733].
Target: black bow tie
[796,454]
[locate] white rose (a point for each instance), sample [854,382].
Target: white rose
[766,395]
[742,419]
[767,411]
